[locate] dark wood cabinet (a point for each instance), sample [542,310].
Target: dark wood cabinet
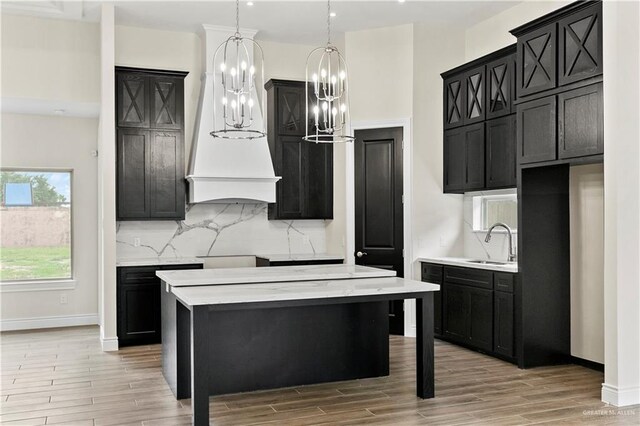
[500,87]
[454,103]
[454,160]
[133,159]
[536,61]
[536,124]
[166,175]
[558,76]
[464,152]
[473,93]
[503,324]
[476,308]
[580,45]
[474,157]
[433,274]
[581,122]
[138,303]
[474,99]
[150,144]
[500,158]
[468,315]
[166,102]
[480,318]
[132,100]
[306,188]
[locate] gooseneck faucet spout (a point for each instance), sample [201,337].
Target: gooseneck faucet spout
[512,254]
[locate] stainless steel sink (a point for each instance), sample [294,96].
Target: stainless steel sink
[490,262]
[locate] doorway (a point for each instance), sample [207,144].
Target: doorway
[379,227]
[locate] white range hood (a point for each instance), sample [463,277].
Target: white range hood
[226,170]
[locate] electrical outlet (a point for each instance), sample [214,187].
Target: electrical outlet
[63,299]
[136,242]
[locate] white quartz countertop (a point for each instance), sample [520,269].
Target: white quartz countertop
[203,277]
[299,257]
[152,261]
[307,290]
[511,267]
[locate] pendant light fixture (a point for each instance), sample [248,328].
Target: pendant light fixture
[327,107]
[235,97]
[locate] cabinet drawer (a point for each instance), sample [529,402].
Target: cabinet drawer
[503,282]
[467,276]
[179,267]
[137,275]
[432,273]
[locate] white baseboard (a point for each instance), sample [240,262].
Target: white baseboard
[47,322]
[620,397]
[109,344]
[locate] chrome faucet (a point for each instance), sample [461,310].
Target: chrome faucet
[512,255]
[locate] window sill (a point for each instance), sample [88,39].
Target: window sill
[20,286]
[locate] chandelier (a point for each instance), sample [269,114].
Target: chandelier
[327,109]
[235,97]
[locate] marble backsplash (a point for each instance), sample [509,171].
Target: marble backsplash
[220,230]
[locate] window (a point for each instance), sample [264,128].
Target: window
[497,207]
[35,217]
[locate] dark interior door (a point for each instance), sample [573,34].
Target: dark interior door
[378,205]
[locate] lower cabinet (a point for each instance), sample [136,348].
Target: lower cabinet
[138,303]
[474,307]
[503,317]
[468,315]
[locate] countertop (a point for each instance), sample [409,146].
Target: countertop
[464,262]
[282,291]
[153,261]
[299,257]
[204,277]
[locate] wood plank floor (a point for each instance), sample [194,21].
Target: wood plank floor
[62,377]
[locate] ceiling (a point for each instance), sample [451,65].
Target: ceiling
[300,21]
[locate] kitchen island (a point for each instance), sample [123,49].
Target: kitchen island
[237,330]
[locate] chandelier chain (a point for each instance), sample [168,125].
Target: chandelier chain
[328,21]
[237,17]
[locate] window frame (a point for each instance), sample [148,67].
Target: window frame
[479,203]
[40,284]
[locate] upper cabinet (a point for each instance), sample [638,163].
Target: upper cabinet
[306,188]
[500,86]
[559,86]
[559,49]
[580,45]
[536,66]
[150,144]
[479,146]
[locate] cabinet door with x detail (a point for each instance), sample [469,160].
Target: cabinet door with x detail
[474,86]
[500,87]
[453,102]
[166,100]
[132,95]
[536,66]
[580,45]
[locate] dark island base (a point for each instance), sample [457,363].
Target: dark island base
[256,349]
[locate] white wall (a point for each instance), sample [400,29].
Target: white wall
[587,274]
[48,62]
[32,141]
[621,39]
[50,59]
[586,192]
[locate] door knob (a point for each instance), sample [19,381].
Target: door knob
[360,254]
